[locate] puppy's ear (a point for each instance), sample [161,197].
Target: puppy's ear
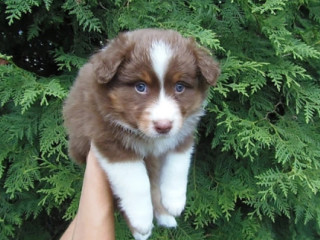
[209,68]
[107,61]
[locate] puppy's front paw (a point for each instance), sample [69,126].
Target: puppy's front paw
[141,224]
[142,236]
[174,202]
[166,220]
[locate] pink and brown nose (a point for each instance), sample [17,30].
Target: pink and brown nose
[162,126]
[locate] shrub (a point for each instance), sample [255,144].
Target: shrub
[255,174]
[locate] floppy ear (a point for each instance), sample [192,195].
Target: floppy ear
[107,61]
[209,68]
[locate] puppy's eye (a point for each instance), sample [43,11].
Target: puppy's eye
[179,87]
[141,87]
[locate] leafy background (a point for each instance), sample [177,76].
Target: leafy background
[255,174]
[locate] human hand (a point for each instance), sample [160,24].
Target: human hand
[94,219]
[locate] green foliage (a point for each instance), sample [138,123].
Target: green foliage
[84,15]
[255,174]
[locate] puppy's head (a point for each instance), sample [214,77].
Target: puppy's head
[152,82]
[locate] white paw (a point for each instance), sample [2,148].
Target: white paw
[174,202]
[140,236]
[142,223]
[166,220]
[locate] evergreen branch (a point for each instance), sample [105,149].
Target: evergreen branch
[67,60]
[84,15]
[22,174]
[271,6]
[15,8]
[48,4]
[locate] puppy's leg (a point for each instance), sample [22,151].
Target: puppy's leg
[164,218]
[130,183]
[173,180]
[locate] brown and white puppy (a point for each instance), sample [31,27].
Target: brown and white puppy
[137,103]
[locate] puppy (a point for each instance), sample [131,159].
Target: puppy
[137,103]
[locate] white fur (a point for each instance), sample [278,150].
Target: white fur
[130,182]
[161,54]
[139,236]
[165,108]
[173,181]
[166,220]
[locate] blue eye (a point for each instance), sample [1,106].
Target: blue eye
[179,87]
[141,87]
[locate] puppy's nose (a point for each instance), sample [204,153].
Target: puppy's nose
[162,126]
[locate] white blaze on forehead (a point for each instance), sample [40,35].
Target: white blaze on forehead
[165,108]
[161,54]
